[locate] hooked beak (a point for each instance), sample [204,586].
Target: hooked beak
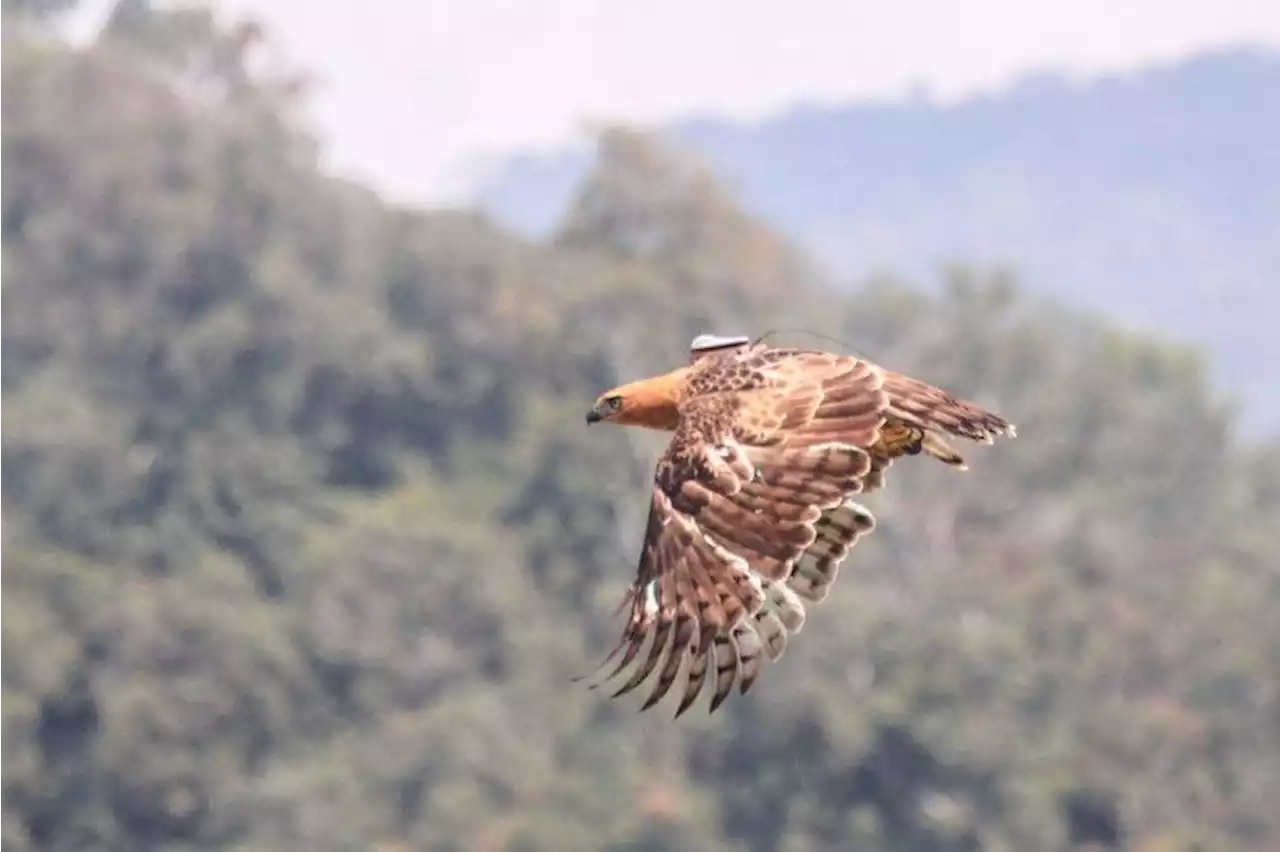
[594,416]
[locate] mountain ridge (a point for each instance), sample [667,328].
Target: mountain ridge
[1152,196]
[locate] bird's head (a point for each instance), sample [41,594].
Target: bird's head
[651,403]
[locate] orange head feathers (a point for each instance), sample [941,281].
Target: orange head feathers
[650,402]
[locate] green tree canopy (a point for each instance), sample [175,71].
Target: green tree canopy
[305,539]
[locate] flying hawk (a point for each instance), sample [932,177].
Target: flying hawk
[752,506]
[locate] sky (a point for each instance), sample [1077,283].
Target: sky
[419,97]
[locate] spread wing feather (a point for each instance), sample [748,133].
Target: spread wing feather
[751,512]
[838,530]
[736,503]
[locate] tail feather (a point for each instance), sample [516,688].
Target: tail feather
[918,403]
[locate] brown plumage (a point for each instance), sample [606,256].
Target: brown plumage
[751,507]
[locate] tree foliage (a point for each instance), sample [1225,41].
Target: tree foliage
[305,541]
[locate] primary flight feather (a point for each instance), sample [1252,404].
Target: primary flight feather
[751,508]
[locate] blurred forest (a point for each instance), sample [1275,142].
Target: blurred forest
[305,536]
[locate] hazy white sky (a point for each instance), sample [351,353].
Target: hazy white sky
[412,94]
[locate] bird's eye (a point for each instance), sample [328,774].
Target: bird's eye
[614,403]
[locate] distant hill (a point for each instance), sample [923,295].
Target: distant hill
[306,538]
[1153,197]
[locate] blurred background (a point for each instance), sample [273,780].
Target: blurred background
[304,535]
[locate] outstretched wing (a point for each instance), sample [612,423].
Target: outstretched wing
[739,497]
[751,510]
[917,420]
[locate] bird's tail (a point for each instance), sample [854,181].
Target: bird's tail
[921,404]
